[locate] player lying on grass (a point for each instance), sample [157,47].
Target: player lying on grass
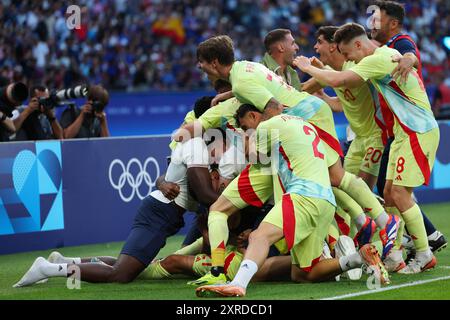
[302,214]
[255,84]
[156,219]
[416,131]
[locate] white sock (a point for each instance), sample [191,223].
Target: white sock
[55,269]
[382,220]
[360,220]
[350,262]
[245,273]
[69,260]
[424,255]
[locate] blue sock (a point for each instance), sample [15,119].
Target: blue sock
[429,227]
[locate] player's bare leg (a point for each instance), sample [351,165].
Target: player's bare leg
[274,269]
[411,214]
[357,189]
[125,270]
[169,266]
[57,257]
[259,243]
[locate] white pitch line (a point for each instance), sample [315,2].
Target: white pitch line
[409,284]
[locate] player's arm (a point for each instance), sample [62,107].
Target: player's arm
[334,102]
[311,86]
[222,97]
[272,109]
[189,131]
[200,185]
[406,61]
[330,78]
[405,65]
[170,190]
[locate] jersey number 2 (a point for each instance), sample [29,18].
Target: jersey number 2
[316,141]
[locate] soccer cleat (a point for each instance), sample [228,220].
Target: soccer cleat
[438,244]
[209,279]
[371,258]
[394,261]
[33,275]
[419,264]
[220,290]
[56,257]
[389,234]
[345,247]
[365,234]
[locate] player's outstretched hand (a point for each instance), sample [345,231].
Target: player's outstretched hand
[302,63]
[170,190]
[404,67]
[316,62]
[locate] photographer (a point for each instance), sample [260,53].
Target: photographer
[6,127]
[36,122]
[11,96]
[90,121]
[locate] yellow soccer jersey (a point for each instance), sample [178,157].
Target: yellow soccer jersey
[297,156]
[359,107]
[255,84]
[221,115]
[408,101]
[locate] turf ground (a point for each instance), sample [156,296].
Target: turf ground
[432,285]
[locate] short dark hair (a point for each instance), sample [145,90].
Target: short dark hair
[348,32]
[37,87]
[393,9]
[243,110]
[222,86]
[201,105]
[219,47]
[274,36]
[327,32]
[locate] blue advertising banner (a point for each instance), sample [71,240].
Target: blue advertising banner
[75,192]
[66,193]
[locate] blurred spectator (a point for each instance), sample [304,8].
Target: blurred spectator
[34,121]
[150,44]
[441,103]
[89,121]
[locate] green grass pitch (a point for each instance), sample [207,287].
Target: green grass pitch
[12,267]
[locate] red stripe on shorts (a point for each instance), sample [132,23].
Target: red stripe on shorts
[329,140]
[313,263]
[288,220]
[344,227]
[419,155]
[246,190]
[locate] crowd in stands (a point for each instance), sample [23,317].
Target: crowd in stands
[136,45]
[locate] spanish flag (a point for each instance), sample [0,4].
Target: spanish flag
[171,27]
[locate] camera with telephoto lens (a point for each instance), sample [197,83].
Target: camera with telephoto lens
[11,96]
[61,97]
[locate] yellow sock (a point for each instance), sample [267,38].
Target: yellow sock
[343,221]
[347,204]
[414,222]
[360,192]
[155,272]
[218,237]
[401,227]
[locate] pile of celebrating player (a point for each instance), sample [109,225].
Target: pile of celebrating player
[262,164]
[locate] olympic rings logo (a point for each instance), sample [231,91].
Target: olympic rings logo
[135,183]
